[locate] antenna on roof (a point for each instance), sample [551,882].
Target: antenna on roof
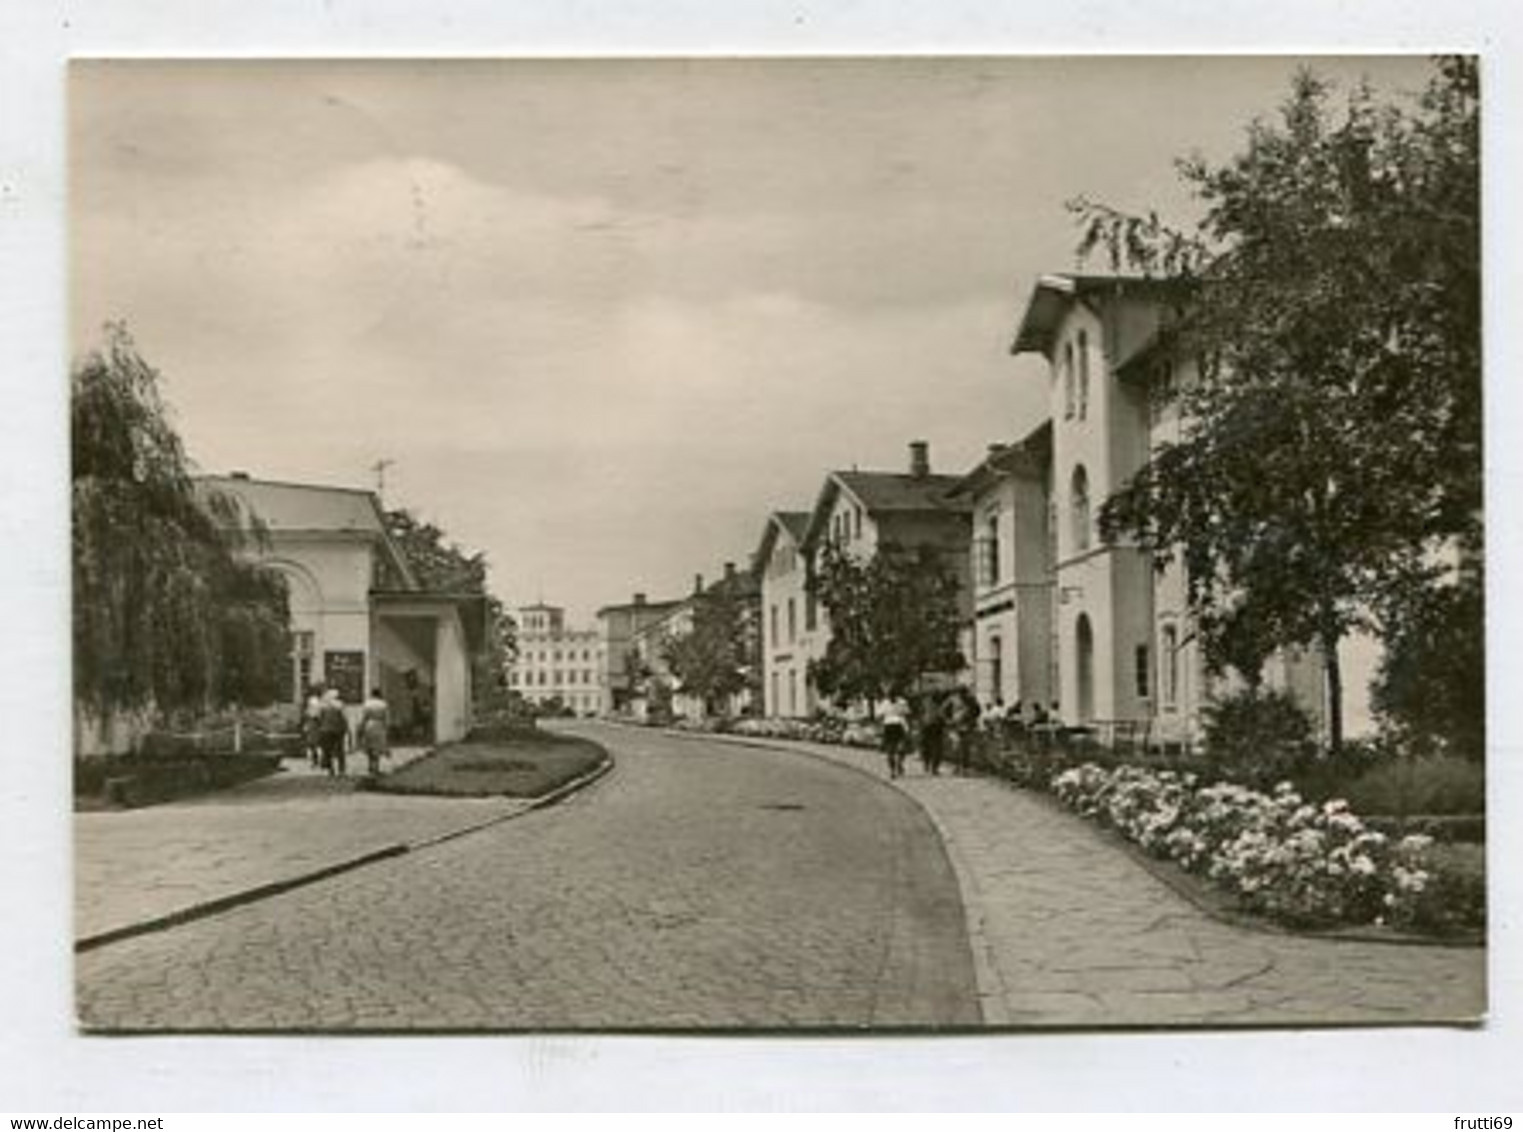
[379,468]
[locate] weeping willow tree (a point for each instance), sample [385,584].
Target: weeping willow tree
[167,616]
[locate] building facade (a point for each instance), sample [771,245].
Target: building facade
[1125,648]
[557,666]
[857,512]
[620,628]
[358,617]
[790,629]
[1013,564]
[657,687]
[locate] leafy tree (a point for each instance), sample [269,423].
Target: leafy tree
[166,615]
[1331,296]
[446,567]
[893,620]
[715,660]
[1431,686]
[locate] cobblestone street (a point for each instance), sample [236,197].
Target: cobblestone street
[1069,930]
[699,885]
[712,882]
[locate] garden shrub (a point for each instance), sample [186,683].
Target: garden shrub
[1257,737]
[1304,864]
[1452,898]
[1439,784]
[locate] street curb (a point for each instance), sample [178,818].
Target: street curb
[216,905]
[544,801]
[233,899]
[989,984]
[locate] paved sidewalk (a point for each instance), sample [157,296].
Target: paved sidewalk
[1069,930]
[133,866]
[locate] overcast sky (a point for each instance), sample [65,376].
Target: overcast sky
[604,316]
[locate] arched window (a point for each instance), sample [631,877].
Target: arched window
[1078,502]
[1068,380]
[1083,374]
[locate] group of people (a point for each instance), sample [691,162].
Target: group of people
[328,736]
[940,725]
[946,726]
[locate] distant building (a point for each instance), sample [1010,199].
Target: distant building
[1013,563]
[358,617]
[859,512]
[555,664]
[619,626]
[656,685]
[790,621]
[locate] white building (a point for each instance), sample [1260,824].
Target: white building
[1013,562]
[791,635]
[1125,648]
[858,512]
[556,664]
[358,617]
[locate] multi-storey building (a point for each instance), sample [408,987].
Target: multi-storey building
[790,622]
[1013,560]
[656,684]
[1125,649]
[859,513]
[557,665]
[619,629]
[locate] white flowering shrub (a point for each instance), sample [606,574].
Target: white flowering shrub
[1304,864]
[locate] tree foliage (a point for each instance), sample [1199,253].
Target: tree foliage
[1431,686]
[893,621]
[444,566]
[1330,456]
[166,615]
[717,658]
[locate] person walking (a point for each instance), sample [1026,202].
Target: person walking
[896,735]
[333,732]
[309,732]
[933,733]
[961,714]
[374,723]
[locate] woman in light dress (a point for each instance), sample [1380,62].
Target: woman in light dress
[373,728]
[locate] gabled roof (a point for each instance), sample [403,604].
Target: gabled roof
[1053,294]
[305,508]
[795,524]
[1028,457]
[886,493]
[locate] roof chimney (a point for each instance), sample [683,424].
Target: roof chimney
[920,458]
[697,583]
[639,599]
[729,571]
[239,475]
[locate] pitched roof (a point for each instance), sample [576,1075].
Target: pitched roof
[900,491]
[303,506]
[794,523]
[1029,456]
[1053,293]
[306,508]
[888,493]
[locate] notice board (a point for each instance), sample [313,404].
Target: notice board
[344,671]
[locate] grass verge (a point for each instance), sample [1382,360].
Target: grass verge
[522,766]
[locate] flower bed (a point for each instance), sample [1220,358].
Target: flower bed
[826,729]
[1301,864]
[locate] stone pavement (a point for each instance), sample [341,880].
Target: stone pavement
[1069,930]
[132,866]
[697,885]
